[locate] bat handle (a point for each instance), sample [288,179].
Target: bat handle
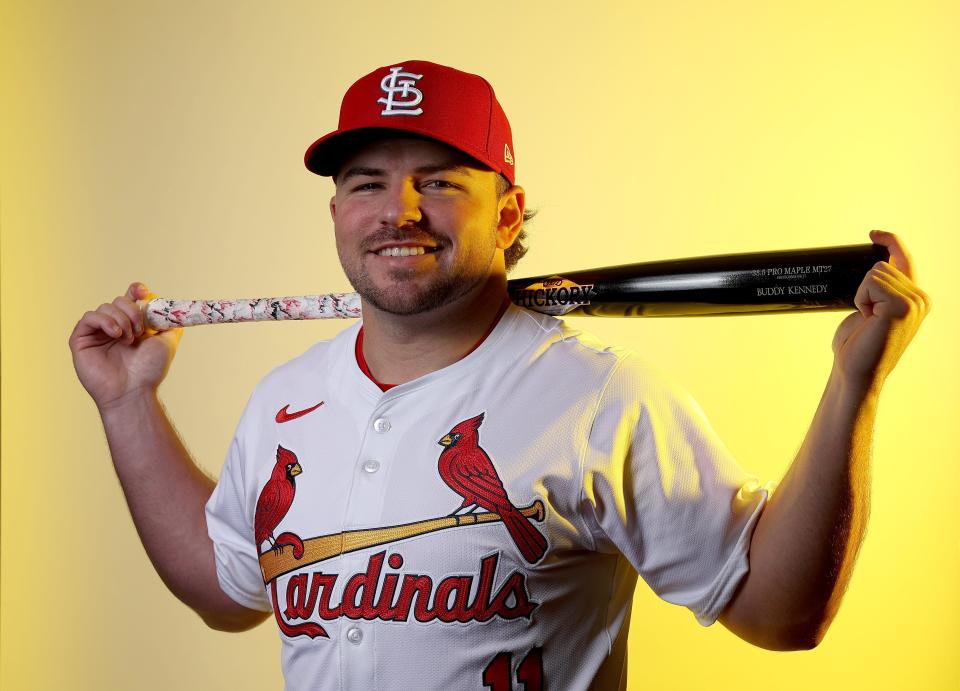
[161,314]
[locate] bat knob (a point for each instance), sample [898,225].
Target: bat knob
[153,311]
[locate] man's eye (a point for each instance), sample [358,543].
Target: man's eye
[366,186]
[440,184]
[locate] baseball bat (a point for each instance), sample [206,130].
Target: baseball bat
[316,549]
[823,278]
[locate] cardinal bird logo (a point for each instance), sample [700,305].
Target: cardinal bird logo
[274,502]
[469,472]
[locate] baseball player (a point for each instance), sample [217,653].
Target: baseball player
[458,493]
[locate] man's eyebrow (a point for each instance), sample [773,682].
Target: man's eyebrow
[452,167]
[359,170]
[423,170]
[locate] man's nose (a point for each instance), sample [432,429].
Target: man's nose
[402,205]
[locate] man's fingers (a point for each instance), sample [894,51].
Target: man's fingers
[899,256]
[120,318]
[888,293]
[107,324]
[92,322]
[137,291]
[132,310]
[139,294]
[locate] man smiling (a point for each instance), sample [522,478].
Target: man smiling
[459,493]
[436,224]
[421,234]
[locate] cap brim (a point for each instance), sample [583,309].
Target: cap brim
[327,155]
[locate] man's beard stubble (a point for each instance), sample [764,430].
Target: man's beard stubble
[445,287]
[439,292]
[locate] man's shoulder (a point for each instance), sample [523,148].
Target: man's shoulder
[566,347]
[312,363]
[557,338]
[623,372]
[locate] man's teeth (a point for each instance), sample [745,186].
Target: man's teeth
[401,251]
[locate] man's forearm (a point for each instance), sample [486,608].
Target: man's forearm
[166,493]
[806,541]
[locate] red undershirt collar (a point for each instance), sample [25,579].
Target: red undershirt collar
[362,363]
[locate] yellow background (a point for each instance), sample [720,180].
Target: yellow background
[162,141]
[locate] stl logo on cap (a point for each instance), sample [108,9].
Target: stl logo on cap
[457,108]
[401,85]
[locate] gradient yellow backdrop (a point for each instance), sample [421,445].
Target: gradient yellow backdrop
[162,141]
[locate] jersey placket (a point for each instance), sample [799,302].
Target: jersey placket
[364,510]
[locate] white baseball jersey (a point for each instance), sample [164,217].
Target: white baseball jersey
[480,527]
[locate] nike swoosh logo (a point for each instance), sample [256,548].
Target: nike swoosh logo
[284,416]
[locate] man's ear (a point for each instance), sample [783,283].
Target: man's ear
[333,207]
[510,222]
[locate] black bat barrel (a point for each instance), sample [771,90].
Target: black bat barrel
[824,278]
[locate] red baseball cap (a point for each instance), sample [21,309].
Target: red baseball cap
[423,98]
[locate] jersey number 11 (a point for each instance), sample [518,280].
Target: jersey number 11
[496,676]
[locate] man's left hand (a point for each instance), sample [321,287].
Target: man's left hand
[890,308]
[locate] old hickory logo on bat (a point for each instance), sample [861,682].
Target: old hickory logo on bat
[468,470]
[554,295]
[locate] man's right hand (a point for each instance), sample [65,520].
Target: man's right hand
[119,361]
[115,355]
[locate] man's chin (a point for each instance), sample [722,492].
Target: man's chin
[402,303]
[406,298]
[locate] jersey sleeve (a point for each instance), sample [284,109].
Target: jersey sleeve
[664,491]
[230,512]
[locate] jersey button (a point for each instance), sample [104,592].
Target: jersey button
[371,466]
[381,425]
[354,635]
